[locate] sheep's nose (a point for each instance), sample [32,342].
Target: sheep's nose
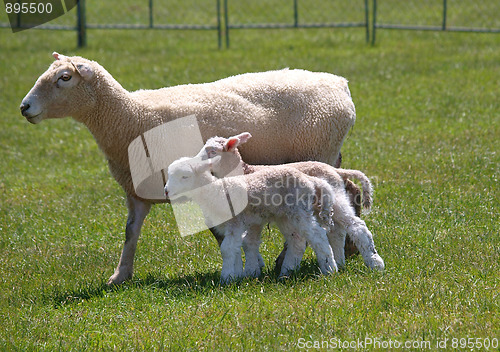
[24,108]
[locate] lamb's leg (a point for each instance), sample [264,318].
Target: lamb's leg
[251,244]
[354,195]
[344,216]
[230,249]
[363,239]
[137,212]
[295,247]
[316,237]
[336,238]
[279,261]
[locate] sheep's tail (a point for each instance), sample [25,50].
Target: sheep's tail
[367,200]
[324,200]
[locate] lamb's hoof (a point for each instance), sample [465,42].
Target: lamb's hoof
[252,273]
[377,263]
[119,277]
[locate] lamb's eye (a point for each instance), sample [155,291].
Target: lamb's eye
[65,77]
[185,177]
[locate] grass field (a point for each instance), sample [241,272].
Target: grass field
[427,133]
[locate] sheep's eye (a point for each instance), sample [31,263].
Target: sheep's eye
[65,77]
[185,177]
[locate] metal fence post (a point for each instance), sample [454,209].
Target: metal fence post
[374,21]
[219,26]
[81,24]
[226,23]
[295,13]
[444,14]
[367,20]
[150,13]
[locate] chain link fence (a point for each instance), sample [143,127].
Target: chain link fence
[224,16]
[436,15]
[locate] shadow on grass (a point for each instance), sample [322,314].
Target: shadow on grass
[182,286]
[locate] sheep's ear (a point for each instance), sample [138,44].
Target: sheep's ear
[85,71]
[233,142]
[58,56]
[244,137]
[203,166]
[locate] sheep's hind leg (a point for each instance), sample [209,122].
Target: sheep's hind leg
[137,212]
[363,239]
[295,248]
[316,237]
[336,238]
[344,216]
[251,244]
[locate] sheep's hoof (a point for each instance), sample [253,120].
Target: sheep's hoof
[119,277]
[377,263]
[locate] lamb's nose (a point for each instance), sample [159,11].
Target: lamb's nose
[24,108]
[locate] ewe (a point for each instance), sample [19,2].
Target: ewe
[300,195]
[311,112]
[225,150]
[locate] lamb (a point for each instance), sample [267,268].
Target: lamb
[226,152]
[292,210]
[312,111]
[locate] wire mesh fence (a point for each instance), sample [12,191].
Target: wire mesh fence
[438,15]
[224,16]
[261,14]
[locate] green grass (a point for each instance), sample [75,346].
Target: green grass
[427,133]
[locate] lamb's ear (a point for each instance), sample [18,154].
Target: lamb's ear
[231,144]
[85,70]
[203,166]
[234,142]
[244,137]
[58,56]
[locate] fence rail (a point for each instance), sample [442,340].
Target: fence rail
[224,16]
[436,15]
[296,14]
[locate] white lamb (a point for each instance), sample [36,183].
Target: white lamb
[225,150]
[299,194]
[311,112]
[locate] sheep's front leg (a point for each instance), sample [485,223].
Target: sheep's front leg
[137,212]
[337,237]
[230,249]
[295,247]
[251,244]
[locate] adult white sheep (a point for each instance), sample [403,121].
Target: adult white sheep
[300,196]
[294,115]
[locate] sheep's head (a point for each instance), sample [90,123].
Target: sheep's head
[187,174]
[227,149]
[63,90]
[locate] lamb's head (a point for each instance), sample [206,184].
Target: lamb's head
[227,150]
[187,174]
[65,89]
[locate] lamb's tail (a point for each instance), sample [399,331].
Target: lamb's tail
[367,200]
